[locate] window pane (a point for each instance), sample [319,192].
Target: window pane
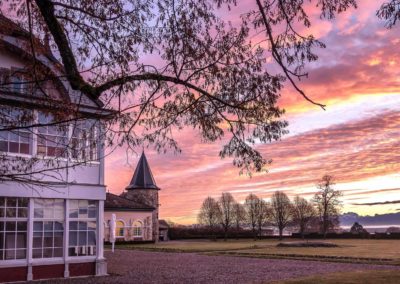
[37,242]
[11,212]
[21,240]
[21,226]
[37,226]
[11,202]
[23,202]
[58,252]
[37,253]
[58,239]
[10,240]
[11,226]
[39,213]
[22,213]
[3,146]
[73,238]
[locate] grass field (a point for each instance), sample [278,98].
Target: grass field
[348,250]
[364,277]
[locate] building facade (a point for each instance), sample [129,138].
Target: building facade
[136,209]
[50,227]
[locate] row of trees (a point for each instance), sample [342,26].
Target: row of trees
[321,212]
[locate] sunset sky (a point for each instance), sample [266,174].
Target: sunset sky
[356,139]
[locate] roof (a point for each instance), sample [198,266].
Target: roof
[119,203]
[12,29]
[162,224]
[142,178]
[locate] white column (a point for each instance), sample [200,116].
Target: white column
[100,230]
[30,239]
[101,264]
[66,238]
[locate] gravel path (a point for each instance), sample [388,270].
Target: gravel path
[129,266]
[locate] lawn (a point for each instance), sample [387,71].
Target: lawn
[357,277]
[349,250]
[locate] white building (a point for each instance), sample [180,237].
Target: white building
[55,230]
[136,209]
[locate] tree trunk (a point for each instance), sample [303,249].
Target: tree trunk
[280,233]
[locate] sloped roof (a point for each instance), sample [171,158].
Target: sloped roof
[115,202]
[142,178]
[12,29]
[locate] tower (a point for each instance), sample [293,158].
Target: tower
[143,189]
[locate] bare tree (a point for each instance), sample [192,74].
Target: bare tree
[303,213]
[328,204]
[281,211]
[263,212]
[251,205]
[227,207]
[210,214]
[239,215]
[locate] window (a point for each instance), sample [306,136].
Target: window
[13,228]
[15,141]
[82,227]
[120,229]
[52,139]
[84,140]
[137,229]
[48,228]
[17,84]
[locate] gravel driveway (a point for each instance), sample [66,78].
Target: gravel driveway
[129,266]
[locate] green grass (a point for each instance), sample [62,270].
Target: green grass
[356,277]
[372,251]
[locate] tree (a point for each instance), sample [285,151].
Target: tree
[263,213]
[358,229]
[159,66]
[392,230]
[281,211]
[251,206]
[210,214]
[303,213]
[227,207]
[239,215]
[327,201]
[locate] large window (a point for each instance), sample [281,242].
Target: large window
[52,139]
[85,140]
[13,227]
[48,228]
[82,227]
[17,140]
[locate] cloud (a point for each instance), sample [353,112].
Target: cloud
[378,203]
[356,140]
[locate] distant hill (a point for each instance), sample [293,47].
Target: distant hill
[348,219]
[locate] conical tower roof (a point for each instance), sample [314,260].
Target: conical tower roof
[142,178]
